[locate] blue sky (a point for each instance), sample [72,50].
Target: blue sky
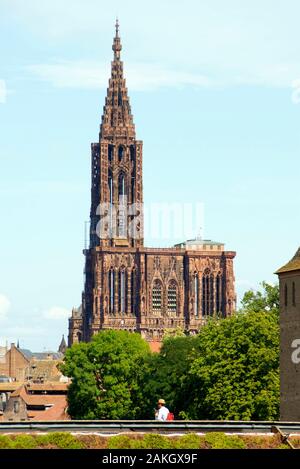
[214,89]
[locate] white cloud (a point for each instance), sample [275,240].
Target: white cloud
[91,75]
[4,306]
[3,92]
[145,76]
[56,313]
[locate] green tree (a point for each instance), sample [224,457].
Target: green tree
[167,374]
[107,376]
[265,300]
[235,370]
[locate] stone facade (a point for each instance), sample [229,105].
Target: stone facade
[289,284]
[129,286]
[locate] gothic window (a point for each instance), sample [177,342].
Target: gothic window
[110,153]
[111,199]
[132,153]
[205,293]
[122,292]
[172,298]
[132,187]
[110,187]
[119,98]
[157,297]
[121,153]
[111,286]
[218,294]
[122,206]
[285,295]
[121,184]
[211,295]
[294,294]
[133,293]
[196,294]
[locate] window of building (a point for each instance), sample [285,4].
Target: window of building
[157,297]
[132,153]
[285,295]
[111,283]
[16,407]
[133,292]
[122,206]
[121,153]
[132,187]
[111,199]
[219,293]
[207,293]
[211,295]
[119,98]
[172,298]
[122,292]
[196,291]
[110,153]
[294,294]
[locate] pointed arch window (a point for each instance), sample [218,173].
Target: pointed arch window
[111,198]
[122,292]
[196,294]
[157,297]
[172,298]
[120,153]
[111,287]
[110,153]
[205,293]
[122,185]
[122,205]
[120,98]
[219,293]
[211,295]
[132,187]
[132,154]
[133,293]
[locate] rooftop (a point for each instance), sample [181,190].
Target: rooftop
[200,244]
[293,264]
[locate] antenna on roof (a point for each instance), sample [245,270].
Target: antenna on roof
[199,236]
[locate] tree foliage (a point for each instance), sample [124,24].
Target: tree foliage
[230,370]
[235,369]
[167,374]
[107,376]
[265,300]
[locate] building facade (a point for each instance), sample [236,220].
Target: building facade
[127,285]
[289,285]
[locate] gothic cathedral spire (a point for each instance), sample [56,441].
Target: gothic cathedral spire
[117,167]
[117,119]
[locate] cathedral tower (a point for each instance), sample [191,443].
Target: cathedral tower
[129,286]
[117,188]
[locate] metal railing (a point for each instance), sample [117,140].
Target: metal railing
[147,426]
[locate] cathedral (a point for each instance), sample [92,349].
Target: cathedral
[127,285]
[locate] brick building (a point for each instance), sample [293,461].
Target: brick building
[289,285]
[127,285]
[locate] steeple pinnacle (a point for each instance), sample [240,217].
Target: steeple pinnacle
[117,119]
[117,46]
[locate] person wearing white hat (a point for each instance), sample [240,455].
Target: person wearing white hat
[162,412]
